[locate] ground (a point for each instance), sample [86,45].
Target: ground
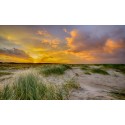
[93,86]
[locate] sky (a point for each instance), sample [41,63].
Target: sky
[72,44]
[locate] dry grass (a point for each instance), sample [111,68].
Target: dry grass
[118,94]
[29,87]
[5,73]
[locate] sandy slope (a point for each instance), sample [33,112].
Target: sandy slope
[94,86]
[97,86]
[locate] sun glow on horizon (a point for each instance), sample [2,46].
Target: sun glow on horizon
[62,44]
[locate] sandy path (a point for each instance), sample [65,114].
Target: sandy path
[97,86]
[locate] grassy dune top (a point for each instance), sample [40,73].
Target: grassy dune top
[54,69]
[61,81]
[29,87]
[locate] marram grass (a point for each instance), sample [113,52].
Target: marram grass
[54,69]
[5,73]
[88,70]
[99,71]
[28,87]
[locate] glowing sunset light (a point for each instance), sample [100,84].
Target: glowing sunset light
[62,44]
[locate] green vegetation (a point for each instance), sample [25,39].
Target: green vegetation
[85,67]
[71,84]
[15,66]
[99,71]
[5,73]
[87,73]
[54,69]
[118,94]
[89,70]
[28,87]
[117,67]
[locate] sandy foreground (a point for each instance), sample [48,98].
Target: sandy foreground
[94,86]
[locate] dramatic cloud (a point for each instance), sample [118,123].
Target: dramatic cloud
[113,46]
[93,47]
[63,44]
[15,53]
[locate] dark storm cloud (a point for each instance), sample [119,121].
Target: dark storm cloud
[14,52]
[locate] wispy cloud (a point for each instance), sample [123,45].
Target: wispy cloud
[67,44]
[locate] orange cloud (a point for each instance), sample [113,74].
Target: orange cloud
[79,45]
[71,40]
[74,46]
[44,33]
[52,42]
[92,48]
[7,58]
[111,46]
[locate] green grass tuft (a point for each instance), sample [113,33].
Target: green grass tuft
[54,69]
[87,73]
[71,84]
[85,67]
[6,93]
[89,70]
[28,87]
[118,94]
[117,67]
[5,73]
[99,71]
